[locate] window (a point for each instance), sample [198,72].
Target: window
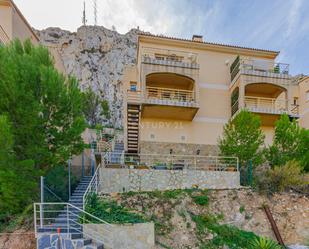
[307,96]
[152,136]
[295,101]
[133,86]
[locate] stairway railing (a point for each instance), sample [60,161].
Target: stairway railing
[75,221]
[93,185]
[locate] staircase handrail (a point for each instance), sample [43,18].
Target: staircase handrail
[70,223]
[88,190]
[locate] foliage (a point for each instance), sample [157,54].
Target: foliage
[17,178]
[57,181]
[40,126]
[44,107]
[110,212]
[291,142]
[201,199]
[242,138]
[231,236]
[264,243]
[94,108]
[105,109]
[282,178]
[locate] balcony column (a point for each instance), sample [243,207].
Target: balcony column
[288,99]
[241,98]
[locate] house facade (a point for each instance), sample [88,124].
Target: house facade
[13,25]
[181,92]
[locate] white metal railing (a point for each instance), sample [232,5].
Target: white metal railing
[65,218]
[166,62]
[266,105]
[172,162]
[163,96]
[93,185]
[260,67]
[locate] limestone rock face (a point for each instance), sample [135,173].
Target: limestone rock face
[96,56]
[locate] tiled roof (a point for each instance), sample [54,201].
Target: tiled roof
[207,43]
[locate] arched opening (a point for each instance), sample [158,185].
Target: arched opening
[169,80]
[170,87]
[266,97]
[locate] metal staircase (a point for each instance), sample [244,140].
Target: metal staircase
[68,219]
[133,117]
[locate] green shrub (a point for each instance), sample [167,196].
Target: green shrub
[282,178]
[201,200]
[231,236]
[57,181]
[110,212]
[264,243]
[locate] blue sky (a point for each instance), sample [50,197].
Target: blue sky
[274,24]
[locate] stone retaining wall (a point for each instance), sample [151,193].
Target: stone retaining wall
[178,148]
[137,236]
[124,180]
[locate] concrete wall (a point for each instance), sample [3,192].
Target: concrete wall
[137,236]
[123,180]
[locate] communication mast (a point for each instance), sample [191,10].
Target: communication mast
[95,10]
[84,14]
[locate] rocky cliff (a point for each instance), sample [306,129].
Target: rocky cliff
[96,56]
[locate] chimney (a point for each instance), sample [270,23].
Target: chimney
[197,38]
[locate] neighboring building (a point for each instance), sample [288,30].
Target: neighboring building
[181,92]
[13,24]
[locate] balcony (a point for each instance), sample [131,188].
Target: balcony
[258,70]
[169,62]
[171,97]
[165,103]
[266,105]
[269,109]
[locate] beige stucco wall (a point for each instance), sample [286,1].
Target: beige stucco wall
[304,103]
[6,20]
[14,24]
[213,87]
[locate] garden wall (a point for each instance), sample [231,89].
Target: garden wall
[124,180]
[137,236]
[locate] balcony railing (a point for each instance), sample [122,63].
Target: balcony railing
[266,105]
[157,95]
[171,162]
[134,97]
[3,36]
[163,96]
[166,62]
[259,67]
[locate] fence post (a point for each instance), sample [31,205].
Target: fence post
[68,224]
[83,164]
[69,176]
[92,162]
[42,201]
[250,173]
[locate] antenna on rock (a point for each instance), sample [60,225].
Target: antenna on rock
[95,10]
[84,14]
